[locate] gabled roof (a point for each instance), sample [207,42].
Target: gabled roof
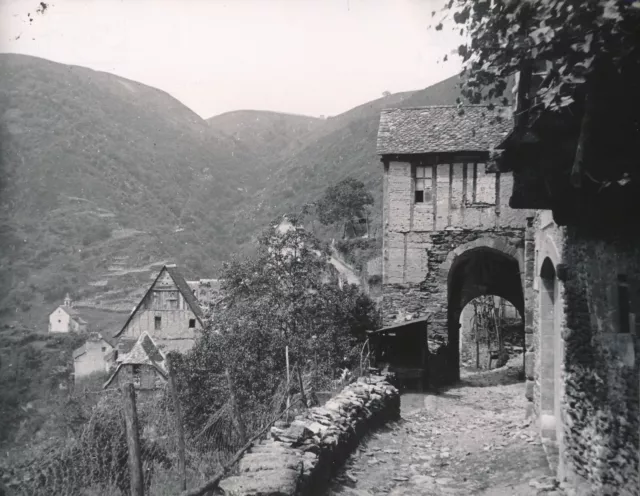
[94,336]
[144,352]
[442,129]
[182,286]
[73,313]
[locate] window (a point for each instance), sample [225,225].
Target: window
[422,181]
[623,304]
[158,323]
[192,323]
[135,369]
[104,348]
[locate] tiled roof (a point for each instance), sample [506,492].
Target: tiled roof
[442,129]
[144,352]
[184,288]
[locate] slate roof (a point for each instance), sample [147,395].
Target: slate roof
[144,352]
[441,129]
[182,286]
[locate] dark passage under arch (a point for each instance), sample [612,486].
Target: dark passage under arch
[478,272]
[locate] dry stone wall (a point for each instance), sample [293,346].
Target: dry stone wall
[299,459]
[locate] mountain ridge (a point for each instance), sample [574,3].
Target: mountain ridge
[97,167]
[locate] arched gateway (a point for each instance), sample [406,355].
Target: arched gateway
[448,232]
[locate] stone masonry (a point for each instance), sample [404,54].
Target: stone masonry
[586,375]
[300,458]
[460,214]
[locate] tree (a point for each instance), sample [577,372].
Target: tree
[567,52]
[287,295]
[344,202]
[565,39]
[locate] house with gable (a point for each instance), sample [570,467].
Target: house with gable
[169,312]
[66,318]
[449,234]
[144,366]
[93,355]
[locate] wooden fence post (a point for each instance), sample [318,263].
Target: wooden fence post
[182,466]
[133,440]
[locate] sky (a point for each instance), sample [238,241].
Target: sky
[311,57]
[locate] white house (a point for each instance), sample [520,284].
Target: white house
[65,318]
[92,356]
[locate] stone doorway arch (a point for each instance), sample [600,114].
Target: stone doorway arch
[479,271]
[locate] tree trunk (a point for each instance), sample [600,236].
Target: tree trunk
[133,440]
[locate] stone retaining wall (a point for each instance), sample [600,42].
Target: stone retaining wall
[300,458]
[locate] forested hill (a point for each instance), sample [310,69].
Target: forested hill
[103,178]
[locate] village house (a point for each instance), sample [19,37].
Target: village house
[92,356]
[449,234]
[169,312]
[66,318]
[536,210]
[144,366]
[578,168]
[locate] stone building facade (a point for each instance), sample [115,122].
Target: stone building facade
[582,284]
[449,234]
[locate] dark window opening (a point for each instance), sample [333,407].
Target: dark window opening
[623,303]
[423,183]
[192,323]
[158,323]
[104,348]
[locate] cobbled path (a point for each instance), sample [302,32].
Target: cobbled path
[469,440]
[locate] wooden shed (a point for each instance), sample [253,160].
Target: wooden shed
[403,350]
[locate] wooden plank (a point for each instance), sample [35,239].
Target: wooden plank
[133,440]
[182,467]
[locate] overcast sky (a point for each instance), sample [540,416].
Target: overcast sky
[314,57]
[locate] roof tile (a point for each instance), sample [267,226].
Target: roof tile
[441,129]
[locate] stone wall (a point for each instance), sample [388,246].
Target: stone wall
[586,370]
[300,458]
[429,295]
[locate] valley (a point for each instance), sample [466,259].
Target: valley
[101,172]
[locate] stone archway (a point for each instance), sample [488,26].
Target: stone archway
[478,271]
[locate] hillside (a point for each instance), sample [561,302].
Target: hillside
[266,133]
[101,172]
[103,179]
[344,146]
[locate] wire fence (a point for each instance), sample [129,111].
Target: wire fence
[91,457]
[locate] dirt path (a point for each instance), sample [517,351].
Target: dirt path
[469,440]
